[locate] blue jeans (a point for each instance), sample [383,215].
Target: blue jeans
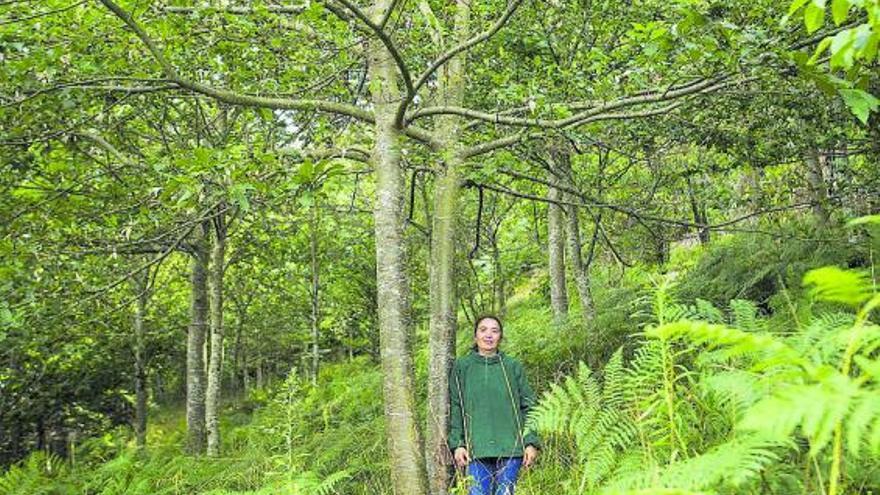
[494,476]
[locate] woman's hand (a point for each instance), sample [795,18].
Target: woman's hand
[462,457]
[529,455]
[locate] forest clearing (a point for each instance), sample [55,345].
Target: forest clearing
[423,247]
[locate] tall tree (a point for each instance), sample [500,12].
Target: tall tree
[196,433]
[217,269]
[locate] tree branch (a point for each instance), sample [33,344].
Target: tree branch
[486,147]
[234,98]
[706,86]
[380,33]
[445,57]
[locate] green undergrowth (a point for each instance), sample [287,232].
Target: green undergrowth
[301,439]
[671,409]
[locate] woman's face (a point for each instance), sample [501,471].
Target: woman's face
[488,336]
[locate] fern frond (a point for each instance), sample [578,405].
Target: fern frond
[614,383]
[734,390]
[744,316]
[863,424]
[833,284]
[817,340]
[705,310]
[735,342]
[729,464]
[816,407]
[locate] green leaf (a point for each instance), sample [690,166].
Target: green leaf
[860,103]
[814,17]
[839,10]
[795,6]
[873,219]
[833,284]
[869,366]
[843,49]
[820,48]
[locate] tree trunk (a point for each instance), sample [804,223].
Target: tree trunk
[699,211]
[215,365]
[237,355]
[313,291]
[402,432]
[441,336]
[497,279]
[579,271]
[556,253]
[195,346]
[818,187]
[141,283]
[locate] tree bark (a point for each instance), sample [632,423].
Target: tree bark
[442,327]
[556,255]
[818,187]
[402,431]
[141,283]
[237,356]
[195,345]
[215,364]
[698,209]
[442,296]
[498,279]
[313,290]
[579,271]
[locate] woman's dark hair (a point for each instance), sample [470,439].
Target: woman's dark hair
[488,317]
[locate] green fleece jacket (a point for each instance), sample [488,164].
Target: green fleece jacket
[489,400]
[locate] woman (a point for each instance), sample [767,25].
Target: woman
[489,400]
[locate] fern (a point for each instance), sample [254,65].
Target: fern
[744,316]
[771,350]
[732,464]
[594,417]
[833,284]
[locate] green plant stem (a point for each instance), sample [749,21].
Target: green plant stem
[669,390]
[845,369]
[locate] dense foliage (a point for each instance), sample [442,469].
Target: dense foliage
[242,239]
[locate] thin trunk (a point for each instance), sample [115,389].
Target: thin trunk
[556,255]
[699,211]
[579,271]
[195,347]
[237,355]
[498,279]
[407,464]
[818,187]
[215,366]
[313,291]
[140,367]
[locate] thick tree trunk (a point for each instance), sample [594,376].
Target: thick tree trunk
[402,431]
[556,255]
[195,346]
[140,366]
[215,365]
[313,291]
[443,302]
[441,337]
